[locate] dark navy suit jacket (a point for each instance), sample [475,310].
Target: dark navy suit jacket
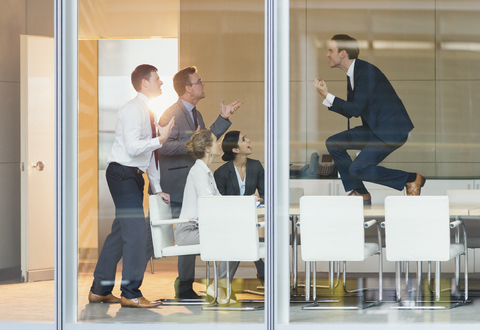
[227,183]
[376,102]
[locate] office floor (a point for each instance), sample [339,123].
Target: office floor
[34,302]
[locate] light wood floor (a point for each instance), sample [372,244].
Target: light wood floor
[34,302]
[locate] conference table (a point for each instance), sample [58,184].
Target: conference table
[374,210]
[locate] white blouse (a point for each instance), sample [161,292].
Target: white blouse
[200,182]
[241,183]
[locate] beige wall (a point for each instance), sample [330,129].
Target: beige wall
[87,148]
[225,41]
[410,41]
[119,19]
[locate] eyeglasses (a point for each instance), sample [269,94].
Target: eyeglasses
[196,83]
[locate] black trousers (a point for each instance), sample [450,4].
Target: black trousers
[128,238]
[365,166]
[186,264]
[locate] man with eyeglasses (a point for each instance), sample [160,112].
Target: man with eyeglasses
[175,162]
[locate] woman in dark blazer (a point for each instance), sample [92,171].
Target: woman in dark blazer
[240,176]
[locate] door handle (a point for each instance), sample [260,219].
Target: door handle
[39,166]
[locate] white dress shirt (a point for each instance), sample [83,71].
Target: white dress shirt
[189,108]
[330,98]
[241,183]
[200,182]
[134,145]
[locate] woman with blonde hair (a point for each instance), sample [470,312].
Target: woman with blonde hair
[204,147]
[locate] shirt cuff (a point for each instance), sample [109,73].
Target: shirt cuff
[328,100]
[156,188]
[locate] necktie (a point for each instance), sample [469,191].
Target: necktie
[154,135]
[349,96]
[194,113]
[349,89]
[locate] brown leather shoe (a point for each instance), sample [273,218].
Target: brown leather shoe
[367,198]
[139,303]
[414,188]
[108,299]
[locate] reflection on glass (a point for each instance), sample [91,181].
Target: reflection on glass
[109,55]
[429,52]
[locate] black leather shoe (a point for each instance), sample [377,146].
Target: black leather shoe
[188,294]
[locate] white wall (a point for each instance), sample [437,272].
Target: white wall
[17,17]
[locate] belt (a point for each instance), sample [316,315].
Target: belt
[136,169]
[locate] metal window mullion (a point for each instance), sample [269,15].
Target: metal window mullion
[66,171]
[277,297]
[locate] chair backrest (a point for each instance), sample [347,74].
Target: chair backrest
[162,235]
[332,228]
[295,194]
[463,196]
[417,228]
[228,228]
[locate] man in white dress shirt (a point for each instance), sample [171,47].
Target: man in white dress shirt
[134,150]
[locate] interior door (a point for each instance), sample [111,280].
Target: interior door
[37,158]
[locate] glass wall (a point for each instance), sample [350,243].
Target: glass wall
[224,40]
[27,163]
[431,59]
[428,49]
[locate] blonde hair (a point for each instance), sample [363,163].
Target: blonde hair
[198,142]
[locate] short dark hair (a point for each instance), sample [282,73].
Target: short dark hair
[230,141]
[198,142]
[348,44]
[182,79]
[143,71]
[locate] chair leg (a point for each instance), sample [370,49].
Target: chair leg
[229,283]
[437,281]
[152,268]
[398,284]
[380,276]
[314,279]
[331,268]
[307,280]
[419,281]
[429,276]
[466,277]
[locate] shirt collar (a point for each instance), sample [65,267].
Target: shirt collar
[350,72]
[203,165]
[188,105]
[144,98]
[351,69]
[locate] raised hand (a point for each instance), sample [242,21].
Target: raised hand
[165,131]
[229,109]
[321,87]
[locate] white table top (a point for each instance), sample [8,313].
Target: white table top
[378,210]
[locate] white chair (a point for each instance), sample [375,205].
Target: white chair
[229,232]
[161,225]
[332,228]
[417,228]
[295,195]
